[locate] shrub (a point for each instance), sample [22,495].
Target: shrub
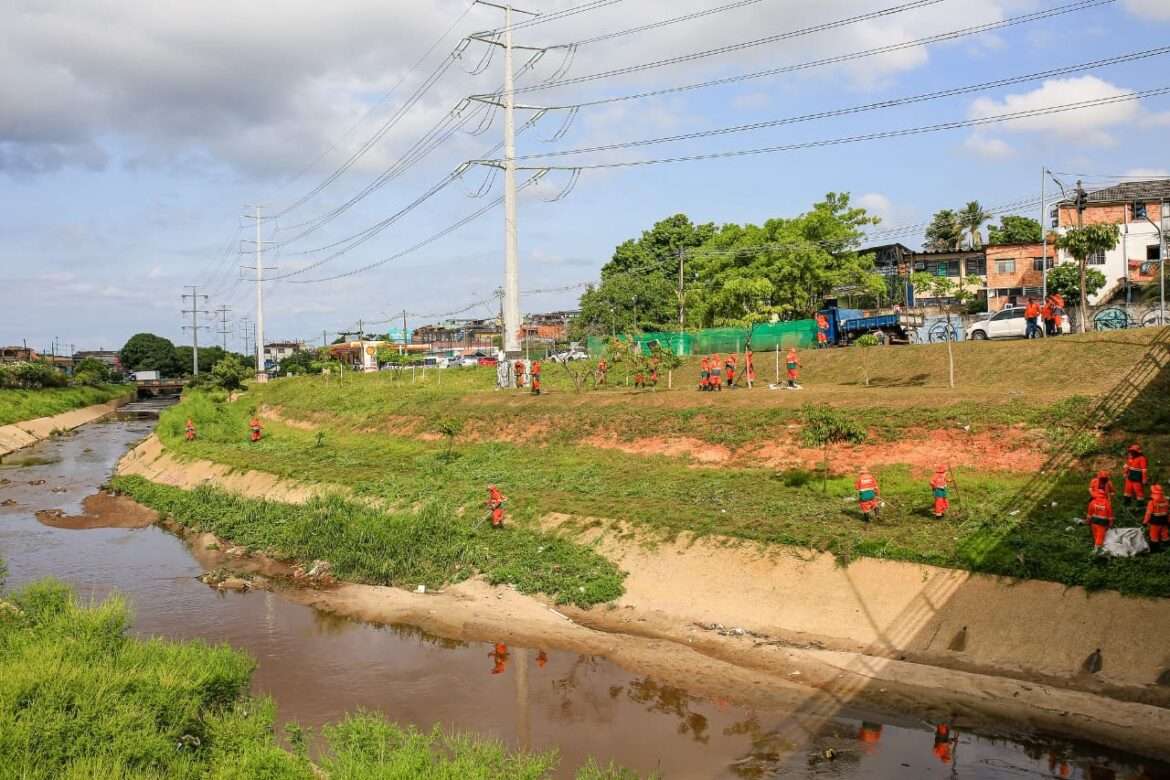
[31,376]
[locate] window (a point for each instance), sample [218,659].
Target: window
[1038,264]
[1152,252]
[1097,258]
[976,267]
[1005,266]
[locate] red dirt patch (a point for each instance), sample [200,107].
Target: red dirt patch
[697,450]
[1005,450]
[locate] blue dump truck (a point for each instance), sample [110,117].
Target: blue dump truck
[845,325]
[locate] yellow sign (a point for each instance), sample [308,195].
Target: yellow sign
[370,351]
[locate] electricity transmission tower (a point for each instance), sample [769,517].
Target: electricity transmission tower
[261,368]
[195,327]
[224,329]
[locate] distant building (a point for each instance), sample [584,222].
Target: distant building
[1135,259]
[459,337]
[276,351]
[548,328]
[18,354]
[108,356]
[1015,272]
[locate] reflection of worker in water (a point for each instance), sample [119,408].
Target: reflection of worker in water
[869,735]
[1058,766]
[541,659]
[942,742]
[499,656]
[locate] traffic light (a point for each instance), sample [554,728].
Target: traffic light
[1139,211]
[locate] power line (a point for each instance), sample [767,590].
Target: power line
[385,96]
[667,22]
[920,98]
[683,58]
[921,130]
[430,240]
[556,16]
[847,57]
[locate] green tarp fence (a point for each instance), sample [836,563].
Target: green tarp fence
[765,336]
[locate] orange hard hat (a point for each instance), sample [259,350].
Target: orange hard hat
[1103,474]
[1157,490]
[1135,448]
[940,469]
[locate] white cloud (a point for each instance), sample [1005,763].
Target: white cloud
[751,101]
[264,88]
[1147,173]
[1158,10]
[1161,119]
[1088,126]
[988,147]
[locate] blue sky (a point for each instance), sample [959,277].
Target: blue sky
[133,135]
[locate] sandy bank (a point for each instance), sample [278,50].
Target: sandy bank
[800,632]
[18,435]
[101,510]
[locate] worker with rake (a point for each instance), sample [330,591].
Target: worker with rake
[254,427]
[1157,519]
[190,429]
[868,495]
[938,487]
[495,504]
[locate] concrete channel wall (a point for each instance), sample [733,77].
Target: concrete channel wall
[19,435]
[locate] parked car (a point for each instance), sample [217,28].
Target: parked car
[1009,323]
[486,361]
[568,355]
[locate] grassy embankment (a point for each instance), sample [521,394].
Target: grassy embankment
[20,405]
[370,437]
[79,699]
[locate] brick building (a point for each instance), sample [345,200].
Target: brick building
[1015,272]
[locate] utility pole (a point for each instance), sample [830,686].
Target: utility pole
[402,349]
[1082,201]
[1043,234]
[511,308]
[681,292]
[246,334]
[224,330]
[194,327]
[261,367]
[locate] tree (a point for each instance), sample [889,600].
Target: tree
[230,373]
[299,362]
[971,217]
[945,232]
[639,285]
[942,288]
[1081,243]
[148,352]
[1065,279]
[864,343]
[208,357]
[1015,230]
[91,371]
[784,268]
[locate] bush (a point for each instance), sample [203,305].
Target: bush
[94,371]
[31,376]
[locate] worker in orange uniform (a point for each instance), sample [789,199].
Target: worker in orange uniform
[822,331]
[1057,313]
[749,367]
[190,430]
[869,735]
[495,503]
[1157,519]
[1046,314]
[1032,318]
[938,487]
[541,659]
[868,495]
[704,375]
[1102,482]
[254,426]
[499,656]
[1136,467]
[716,369]
[792,363]
[1100,517]
[602,369]
[729,367]
[942,743]
[654,373]
[535,378]
[639,379]
[519,368]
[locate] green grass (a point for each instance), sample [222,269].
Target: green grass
[20,405]
[666,496]
[433,546]
[81,700]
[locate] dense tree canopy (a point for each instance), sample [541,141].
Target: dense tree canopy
[945,232]
[148,352]
[735,274]
[1014,230]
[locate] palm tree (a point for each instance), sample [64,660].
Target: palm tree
[971,217]
[945,233]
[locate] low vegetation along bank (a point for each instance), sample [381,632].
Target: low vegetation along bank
[433,546]
[21,405]
[1014,522]
[80,699]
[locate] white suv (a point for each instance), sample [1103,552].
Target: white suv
[1008,324]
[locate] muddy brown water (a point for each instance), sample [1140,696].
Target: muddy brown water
[318,667]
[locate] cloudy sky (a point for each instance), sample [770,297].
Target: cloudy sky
[134,135]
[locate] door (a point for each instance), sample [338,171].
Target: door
[1008,323]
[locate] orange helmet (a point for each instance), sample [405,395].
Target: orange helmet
[1157,491]
[940,469]
[1135,448]
[1103,474]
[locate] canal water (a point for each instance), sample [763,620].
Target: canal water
[318,667]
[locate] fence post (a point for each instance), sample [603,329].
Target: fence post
[777,361]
